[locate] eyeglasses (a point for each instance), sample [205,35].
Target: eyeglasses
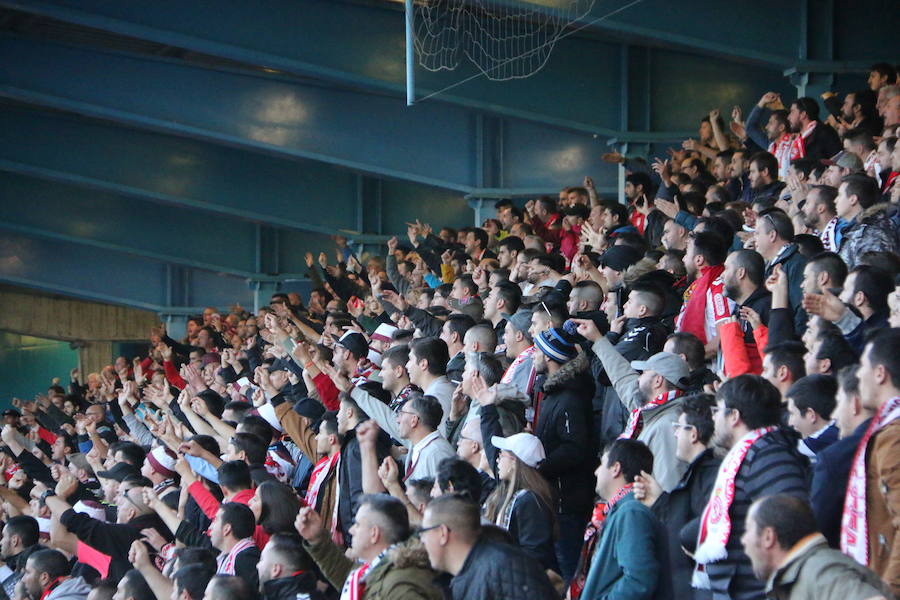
[424,529]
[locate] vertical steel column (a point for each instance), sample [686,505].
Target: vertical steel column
[410,56]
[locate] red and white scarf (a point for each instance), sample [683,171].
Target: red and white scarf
[636,421]
[854,526]
[591,536]
[785,150]
[227,561]
[323,469]
[828,237]
[509,375]
[800,140]
[692,318]
[715,524]
[355,584]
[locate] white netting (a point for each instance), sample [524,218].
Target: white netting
[504,39]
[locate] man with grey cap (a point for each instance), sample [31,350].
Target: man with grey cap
[520,350]
[653,396]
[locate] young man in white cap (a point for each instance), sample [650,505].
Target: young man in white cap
[653,397]
[159,467]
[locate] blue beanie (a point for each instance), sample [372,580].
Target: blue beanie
[557,344]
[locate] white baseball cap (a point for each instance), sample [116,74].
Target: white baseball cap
[525,446]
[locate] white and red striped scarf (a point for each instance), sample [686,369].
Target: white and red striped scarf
[785,150]
[854,526]
[636,421]
[325,467]
[227,561]
[715,524]
[526,354]
[355,584]
[800,140]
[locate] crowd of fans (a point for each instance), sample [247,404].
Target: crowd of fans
[694,395]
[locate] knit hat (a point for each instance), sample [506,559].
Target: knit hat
[556,344]
[384,332]
[309,408]
[356,343]
[525,446]
[163,461]
[90,508]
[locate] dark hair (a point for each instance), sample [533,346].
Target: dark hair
[875,284]
[459,324]
[329,421]
[885,70]
[398,355]
[461,476]
[511,294]
[781,117]
[193,579]
[788,354]
[240,517]
[433,350]
[289,549]
[692,348]
[393,519]
[765,162]
[25,527]
[133,454]
[619,212]
[194,555]
[239,408]
[885,350]
[253,446]
[756,399]
[633,457]
[257,426]
[816,392]
[753,264]
[807,105]
[832,264]
[835,347]
[235,475]
[459,512]
[481,236]
[789,517]
[860,136]
[280,506]
[848,380]
[589,291]
[777,220]
[711,247]
[637,178]
[548,203]
[863,187]
[652,296]
[135,584]
[52,562]
[720,226]
[429,410]
[231,587]
[804,165]
[885,260]
[827,196]
[697,411]
[487,365]
[808,245]
[512,243]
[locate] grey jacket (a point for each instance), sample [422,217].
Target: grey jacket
[816,572]
[657,430]
[74,588]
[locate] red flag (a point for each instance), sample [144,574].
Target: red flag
[94,558]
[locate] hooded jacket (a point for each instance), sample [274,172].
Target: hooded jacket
[72,588]
[657,430]
[403,574]
[293,587]
[562,417]
[871,230]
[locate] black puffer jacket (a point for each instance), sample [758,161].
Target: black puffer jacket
[302,585]
[497,571]
[563,428]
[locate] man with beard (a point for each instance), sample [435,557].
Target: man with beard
[762,459]
[820,215]
[47,578]
[508,251]
[778,139]
[704,301]
[561,421]
[816,140]
[284,572]
[743,279]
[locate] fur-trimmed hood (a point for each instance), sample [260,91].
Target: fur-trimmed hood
[874,213]
[569,375]
[409,554]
